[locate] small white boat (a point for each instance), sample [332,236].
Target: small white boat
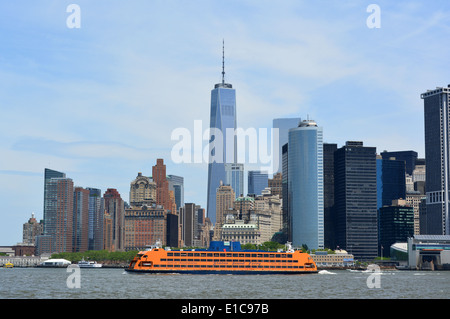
[88,264]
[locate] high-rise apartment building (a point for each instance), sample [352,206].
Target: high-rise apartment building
[222,124]
[80,239]
[115,208]
[437,157]
[96,212]
[58,213]
[355,198]
[305,184]
[257,182]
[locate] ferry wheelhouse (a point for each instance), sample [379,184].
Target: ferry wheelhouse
[222,258]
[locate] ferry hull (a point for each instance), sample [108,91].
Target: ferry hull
[220,272]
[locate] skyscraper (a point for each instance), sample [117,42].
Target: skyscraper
[80,239]
[355,199]
[222,117]
[96,212]
[58,213]
[305,184]
[164,196]
[176,185]
[283,125]
[234,176]
[115,209]
[437,157]
[257,182]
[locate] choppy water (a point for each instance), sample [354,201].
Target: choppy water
[38,283]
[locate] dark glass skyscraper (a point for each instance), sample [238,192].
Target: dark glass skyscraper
[437,157]
[222,117]
[355,200]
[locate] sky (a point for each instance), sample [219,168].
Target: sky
[100,102]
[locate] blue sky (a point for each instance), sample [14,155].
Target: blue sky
[100,102]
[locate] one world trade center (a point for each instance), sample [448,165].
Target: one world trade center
[222,143]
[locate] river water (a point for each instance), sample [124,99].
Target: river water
[103,283]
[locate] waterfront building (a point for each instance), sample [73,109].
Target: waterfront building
[58,212]
[305,185]
[115,207]
[80,237]
[396,223]
[283,125]
[428,252]
[257,182]
[234,176]
[222,121]
[338,258]
[437,157]
[355,200]
[31,229]
[144,226]
[142,191]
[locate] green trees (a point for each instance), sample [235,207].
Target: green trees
[98,255]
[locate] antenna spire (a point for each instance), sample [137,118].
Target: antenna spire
[223,61]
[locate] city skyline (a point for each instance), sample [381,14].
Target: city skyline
[98,103]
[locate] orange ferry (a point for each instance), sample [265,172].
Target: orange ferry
[222,258]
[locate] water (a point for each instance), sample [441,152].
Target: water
[38,283]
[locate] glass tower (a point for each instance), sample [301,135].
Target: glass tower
[222,145]
[257,182]
[305,185]
[437,157]
[355,199]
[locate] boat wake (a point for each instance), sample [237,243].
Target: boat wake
[326,272]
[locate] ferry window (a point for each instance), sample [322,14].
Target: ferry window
[229,255]
[209,255]
[260,255]
[169,259]
[190,260]
[278,256]
[176,254]
[169,254]
[209,260]
[190,254]
[216,255]
[177,266]
[203,254]
[163,259]
[289,256]
[177,259]
[248,255]
[183,254]
[241,255]
[266,255]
